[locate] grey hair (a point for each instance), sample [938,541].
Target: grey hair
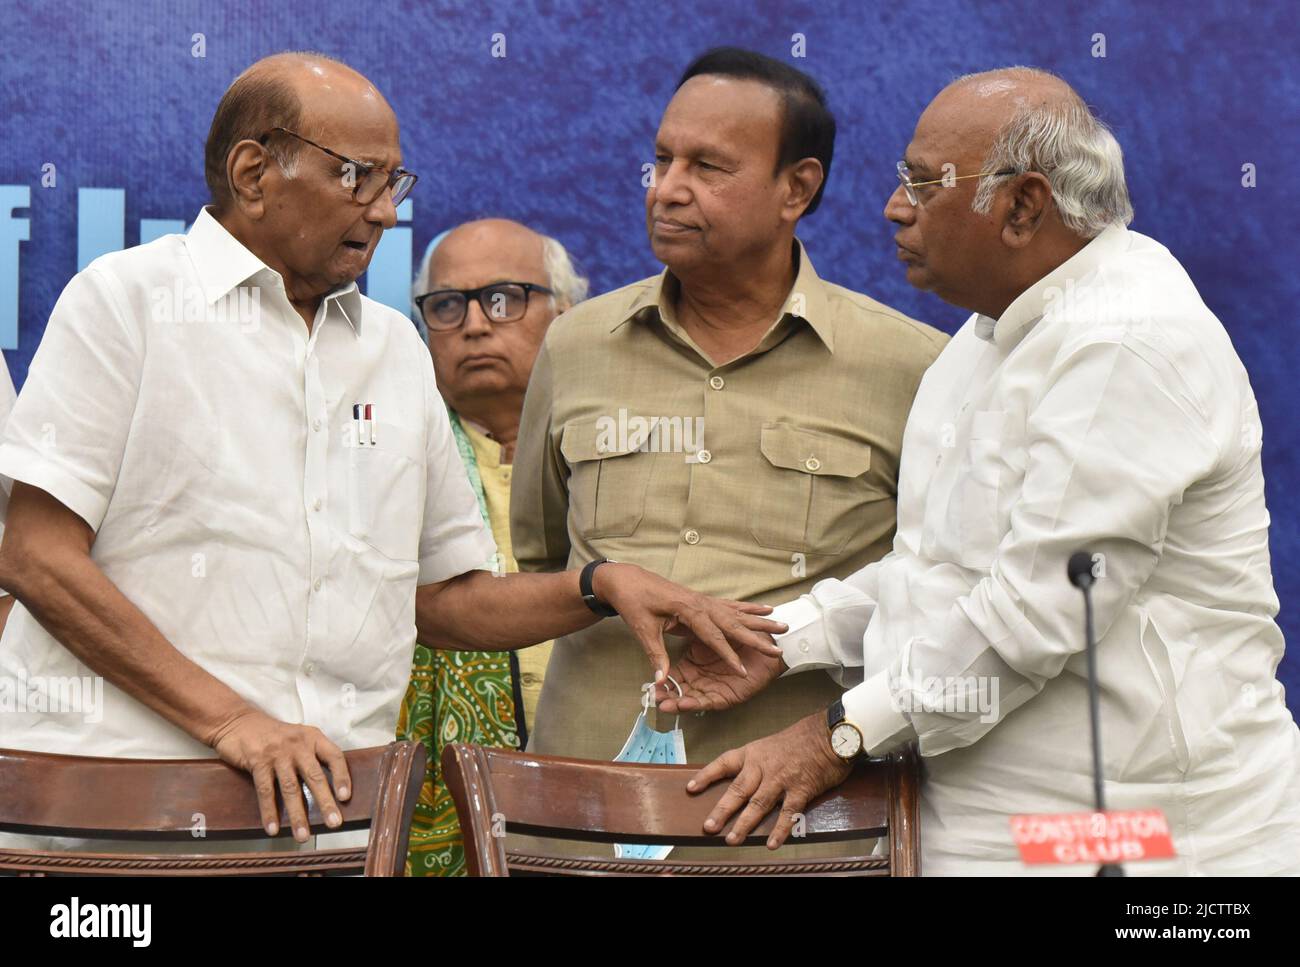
[569,287]
[1065,141]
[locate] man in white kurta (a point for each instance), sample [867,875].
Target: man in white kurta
[235,498]
[1101,408]
[1119,420]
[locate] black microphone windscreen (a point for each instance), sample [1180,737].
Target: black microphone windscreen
[1080,569]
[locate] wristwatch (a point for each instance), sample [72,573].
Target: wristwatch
[846,739]
[589,595]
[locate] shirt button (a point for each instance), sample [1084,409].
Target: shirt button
[315,425]
[691,537]
[704,456]
[812,464]
[717,382]
[316,504]
[803,645]
[309,667]
[316,586]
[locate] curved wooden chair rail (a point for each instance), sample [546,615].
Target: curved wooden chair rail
[157,799]
[605,802]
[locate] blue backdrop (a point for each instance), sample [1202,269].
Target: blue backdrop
[105,108]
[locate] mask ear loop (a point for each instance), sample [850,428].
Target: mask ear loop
[647,698]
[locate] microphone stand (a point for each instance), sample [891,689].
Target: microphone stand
[1080,572]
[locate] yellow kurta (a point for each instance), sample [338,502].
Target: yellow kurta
[496,489]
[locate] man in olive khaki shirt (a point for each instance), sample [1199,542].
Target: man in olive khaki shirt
[775,404]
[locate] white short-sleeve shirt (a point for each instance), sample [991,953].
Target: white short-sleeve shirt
[178,404]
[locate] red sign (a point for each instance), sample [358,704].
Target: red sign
[1115,836]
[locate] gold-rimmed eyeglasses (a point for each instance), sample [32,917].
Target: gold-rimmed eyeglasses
[910,186]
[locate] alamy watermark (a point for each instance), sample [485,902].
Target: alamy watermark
[54,695]
[181,303]
[949,695]
[652,434]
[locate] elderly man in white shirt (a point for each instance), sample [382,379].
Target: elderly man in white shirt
[235,493]
[1091,402]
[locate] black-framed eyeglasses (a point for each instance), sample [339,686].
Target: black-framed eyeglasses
[367,181]
[910,186]
[444,310]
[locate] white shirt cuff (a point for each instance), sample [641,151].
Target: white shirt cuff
[804,646]
[871,708]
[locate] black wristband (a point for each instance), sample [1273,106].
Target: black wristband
[835,713]
[588,595]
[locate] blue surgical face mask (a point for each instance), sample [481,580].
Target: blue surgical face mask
[646,745]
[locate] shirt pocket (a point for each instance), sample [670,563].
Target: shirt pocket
[810,489]
[973,512]
[607,480]
[386,491]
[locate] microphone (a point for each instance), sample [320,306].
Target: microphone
[1079,570]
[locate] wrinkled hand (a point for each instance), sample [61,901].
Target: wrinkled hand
[792,768]
[277,754]
[652,606]
[709,684]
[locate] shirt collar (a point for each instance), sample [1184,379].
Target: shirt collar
[806,300]
[487,452]
[223,262]
[1008,329]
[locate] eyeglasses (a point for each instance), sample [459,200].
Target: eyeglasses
[910,186]
[366,181]
[444,310]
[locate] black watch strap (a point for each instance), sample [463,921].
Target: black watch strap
[835,714]
[588,595]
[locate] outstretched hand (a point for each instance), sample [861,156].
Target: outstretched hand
[709,684]
[652,606]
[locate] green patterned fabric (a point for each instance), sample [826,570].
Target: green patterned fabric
[454,696]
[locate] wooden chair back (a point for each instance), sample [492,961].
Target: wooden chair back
[168,799]
[496,791]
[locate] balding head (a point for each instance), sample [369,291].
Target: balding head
[501,245]
[1028,119]
[484,364]
[302,161]
[1013,174]
[494,247]
[298,90]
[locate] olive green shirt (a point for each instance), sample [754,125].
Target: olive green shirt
[756,479]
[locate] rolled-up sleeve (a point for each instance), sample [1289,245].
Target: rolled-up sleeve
[70,424]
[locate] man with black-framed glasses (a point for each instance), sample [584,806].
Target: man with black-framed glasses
[486,292]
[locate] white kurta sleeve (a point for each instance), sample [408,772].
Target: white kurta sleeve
[1112,444]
